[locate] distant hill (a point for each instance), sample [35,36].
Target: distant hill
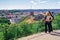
[30,10]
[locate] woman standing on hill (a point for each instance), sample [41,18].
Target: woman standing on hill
[48,21]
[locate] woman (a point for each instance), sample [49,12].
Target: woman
[48,21]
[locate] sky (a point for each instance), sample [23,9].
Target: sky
[29,4]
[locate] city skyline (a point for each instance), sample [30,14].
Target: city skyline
[29,4]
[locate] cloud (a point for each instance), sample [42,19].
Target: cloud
[15,6]
[58,2]
[33,2]
[43,2]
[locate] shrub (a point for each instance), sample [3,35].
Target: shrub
[12,31]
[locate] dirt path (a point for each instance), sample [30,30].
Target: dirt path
[43,36]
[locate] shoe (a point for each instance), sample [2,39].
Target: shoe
[50,32]
[45,32]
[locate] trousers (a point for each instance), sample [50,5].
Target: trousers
[48,26]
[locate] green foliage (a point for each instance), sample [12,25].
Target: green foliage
[1,36]
[13,31]
[4,21]
[56,22]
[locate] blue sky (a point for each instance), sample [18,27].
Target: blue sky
[29,4]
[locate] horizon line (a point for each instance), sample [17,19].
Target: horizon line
[21,9]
